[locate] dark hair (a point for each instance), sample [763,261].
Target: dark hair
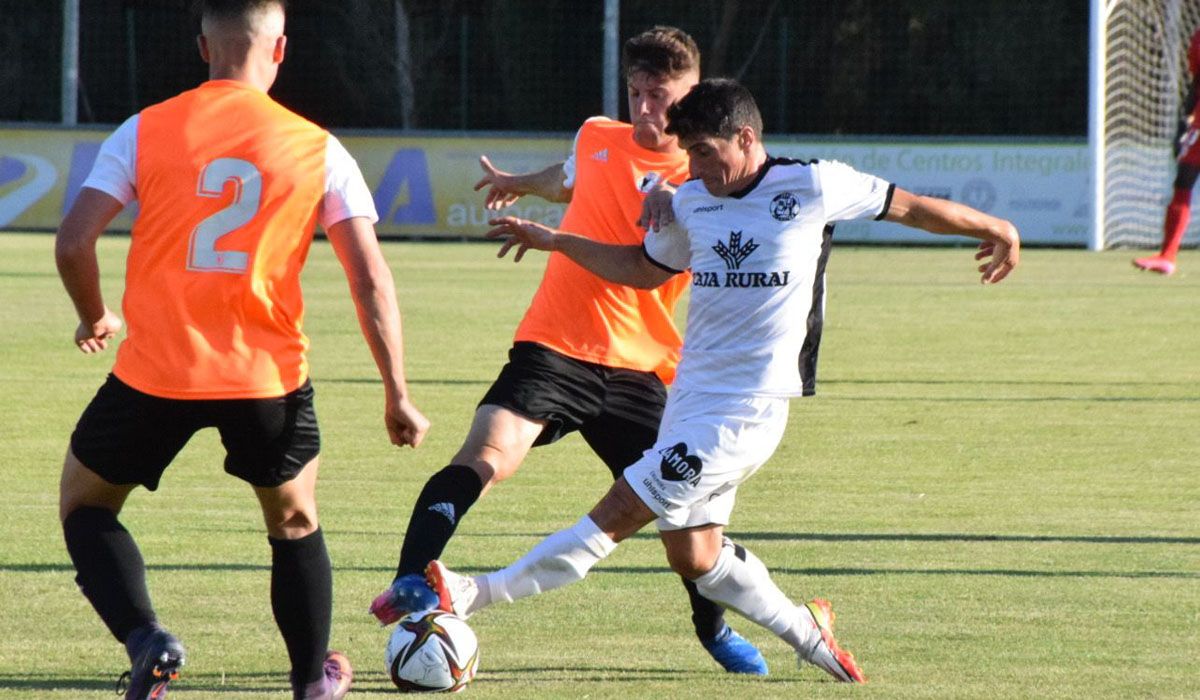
[660,51]
[714,107]
[232,9]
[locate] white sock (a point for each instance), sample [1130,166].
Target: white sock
[562,558]
[746,588]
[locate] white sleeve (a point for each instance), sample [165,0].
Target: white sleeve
[849,194]
[669,247]
[346,193]
[569,164]
[114,172]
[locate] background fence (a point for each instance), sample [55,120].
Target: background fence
[849,67]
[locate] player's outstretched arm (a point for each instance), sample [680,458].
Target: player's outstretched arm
[623,264]
[504,189]
[1000,244]
[75,255]
[374,294]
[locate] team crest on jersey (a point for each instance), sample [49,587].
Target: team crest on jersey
[678,465]
[735,252]
[785,206]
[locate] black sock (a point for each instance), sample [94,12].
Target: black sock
[446,498]
[708,617]
[302,600]
[109,569]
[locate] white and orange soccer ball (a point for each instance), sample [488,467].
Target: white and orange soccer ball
[432,651]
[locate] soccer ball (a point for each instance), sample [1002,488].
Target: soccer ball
[432,651]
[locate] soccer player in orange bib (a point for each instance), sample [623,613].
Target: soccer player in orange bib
[1187,168]
[589,356]
[230,186]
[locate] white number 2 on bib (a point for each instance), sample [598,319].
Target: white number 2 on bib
[202,253]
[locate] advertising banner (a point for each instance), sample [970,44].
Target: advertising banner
[1042,188]
[424,185]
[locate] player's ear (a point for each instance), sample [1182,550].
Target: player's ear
[746,138]
[203,44]
[280,49]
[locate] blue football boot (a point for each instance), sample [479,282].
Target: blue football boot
[407,594]
[735,653]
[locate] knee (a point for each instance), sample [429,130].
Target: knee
[689,564]
[292,523]
[621,513]
[497,443]
[493,462]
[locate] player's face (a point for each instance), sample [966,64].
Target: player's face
[649,97]
[723,165]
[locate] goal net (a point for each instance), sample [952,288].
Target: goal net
[1145,81]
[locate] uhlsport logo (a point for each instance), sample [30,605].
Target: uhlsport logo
[785,207]
[734,253]
[678,465]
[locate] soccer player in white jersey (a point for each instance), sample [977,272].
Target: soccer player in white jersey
[756,232]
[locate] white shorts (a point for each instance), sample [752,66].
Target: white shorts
[707,445]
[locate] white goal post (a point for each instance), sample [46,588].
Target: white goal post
[1138,80]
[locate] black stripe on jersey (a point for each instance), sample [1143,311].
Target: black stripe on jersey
[816,319]
[657,264]
[887,202]
[791,161]
[762,172]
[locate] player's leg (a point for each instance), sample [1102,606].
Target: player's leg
[710,445]
[272,444]
[539,396]
[562,558]
[301,582]
[109,567]
[619,435]
[1178,214]
[124,438]
[495,446]
[667,482]
[1180,209]
[743,584]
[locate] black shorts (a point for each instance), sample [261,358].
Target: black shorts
[128,437]
[617,411]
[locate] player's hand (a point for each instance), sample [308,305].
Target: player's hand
[656,209]
[93,337]
[1002,256]
[405,424]
[524,234]
[500,193]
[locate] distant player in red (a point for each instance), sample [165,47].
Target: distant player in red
[1187,169]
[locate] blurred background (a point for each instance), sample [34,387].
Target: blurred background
[826,67]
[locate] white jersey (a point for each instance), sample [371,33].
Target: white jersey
[346,193]
[758,272]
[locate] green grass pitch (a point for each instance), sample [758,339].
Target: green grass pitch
[998,488]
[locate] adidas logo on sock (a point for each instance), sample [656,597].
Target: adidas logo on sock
[446,509]
[601,155]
